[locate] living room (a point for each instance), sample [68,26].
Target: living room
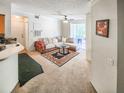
[44,26]
[100,65]
[28,28]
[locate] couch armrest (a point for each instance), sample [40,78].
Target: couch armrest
[70,40]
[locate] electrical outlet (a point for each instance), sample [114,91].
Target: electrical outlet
[111,61]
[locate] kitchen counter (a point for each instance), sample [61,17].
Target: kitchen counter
[9,67]
[10,50]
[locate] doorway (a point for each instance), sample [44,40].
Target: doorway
[2,25]
[19,29]
[78,32]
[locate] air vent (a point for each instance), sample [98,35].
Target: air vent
[37,16]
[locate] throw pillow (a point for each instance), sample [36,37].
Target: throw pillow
[59,39]
[46,41]
[50,40]
[55,40]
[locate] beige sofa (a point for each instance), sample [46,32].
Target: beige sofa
[58,41]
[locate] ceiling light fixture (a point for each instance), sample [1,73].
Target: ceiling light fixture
[65,20]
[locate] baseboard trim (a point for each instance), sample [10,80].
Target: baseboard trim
[93,88]
[16,87]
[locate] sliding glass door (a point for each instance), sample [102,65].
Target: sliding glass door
[78,32]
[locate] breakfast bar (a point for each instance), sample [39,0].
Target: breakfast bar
[9,67]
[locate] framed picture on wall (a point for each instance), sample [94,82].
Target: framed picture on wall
[102,28]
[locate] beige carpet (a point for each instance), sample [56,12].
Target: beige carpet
[73,77]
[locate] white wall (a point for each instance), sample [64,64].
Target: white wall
[120,69]
[50,28]
[104,50]
[5,9]
[8,74]
[88,37]
[65,29]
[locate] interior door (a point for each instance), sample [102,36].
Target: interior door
[2,24]
[18,29]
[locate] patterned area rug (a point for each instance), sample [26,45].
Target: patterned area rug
[58,58]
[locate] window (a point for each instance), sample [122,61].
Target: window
[77,31]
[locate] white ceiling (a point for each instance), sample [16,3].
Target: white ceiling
[65,7]
[51,7]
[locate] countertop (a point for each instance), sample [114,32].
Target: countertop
[10,50]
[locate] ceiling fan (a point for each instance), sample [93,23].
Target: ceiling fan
[65,19]
[63,16]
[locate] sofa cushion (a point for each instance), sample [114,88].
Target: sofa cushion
[50,46]
[70,40]
[64,39]
[40,39]
[58,44]
[50,40]
[46,41]
[55,40]
[71,44]
[59,39]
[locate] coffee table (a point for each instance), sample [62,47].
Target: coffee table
[63,49]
